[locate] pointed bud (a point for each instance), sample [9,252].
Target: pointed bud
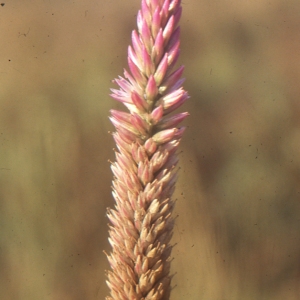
[173,39]
[173,54]
[161,70]
[165,12]
[118,123]
[145,172]
[156,19]
[126,135]
[150,146]
[164,136]
[120,96]
[136,42]
[138,101]
[172,121]
[123,84]
[151,89]
[121,144]
[157,114]
[148,64]
[141,125]
[146,35]
[177,16]
[174,100]
[168,30]
[139,77]
[174,5]
[120,115]
[134,58]
[139,20]
[158,47]
[146,11]
[173,78]
[138,153]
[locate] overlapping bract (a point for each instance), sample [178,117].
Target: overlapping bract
[144,171]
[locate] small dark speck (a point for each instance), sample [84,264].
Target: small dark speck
[230,132]
[44,274]
[2,4]
[193,246]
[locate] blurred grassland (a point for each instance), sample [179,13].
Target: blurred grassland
[237,231]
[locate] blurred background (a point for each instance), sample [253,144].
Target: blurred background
[238,196]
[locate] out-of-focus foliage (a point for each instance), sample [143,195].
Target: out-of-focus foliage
[237,233]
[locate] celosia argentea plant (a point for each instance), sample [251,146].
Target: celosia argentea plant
[144,172]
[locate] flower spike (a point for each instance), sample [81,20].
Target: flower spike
[145,173]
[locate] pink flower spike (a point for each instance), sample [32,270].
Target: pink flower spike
[144,170]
